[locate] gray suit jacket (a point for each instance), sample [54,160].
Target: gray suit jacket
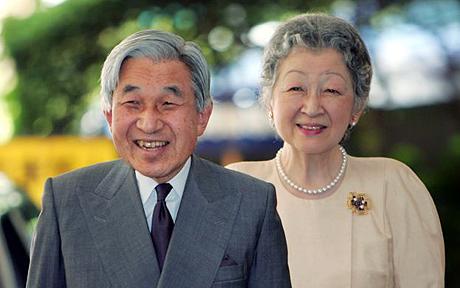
[92,232]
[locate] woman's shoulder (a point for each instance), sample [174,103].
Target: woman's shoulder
[381,165]
[259,169]
[392,175]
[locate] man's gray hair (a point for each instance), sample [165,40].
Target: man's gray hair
[158,46]
[318,31]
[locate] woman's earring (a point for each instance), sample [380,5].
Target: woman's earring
[353,121]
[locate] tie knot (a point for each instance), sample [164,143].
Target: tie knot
[163,191]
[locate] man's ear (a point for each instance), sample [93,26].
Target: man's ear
[203,118]
[108,118]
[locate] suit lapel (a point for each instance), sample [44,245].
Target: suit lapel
[202,230]
[117,223]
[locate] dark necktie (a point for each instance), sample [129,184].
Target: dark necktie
[162,223]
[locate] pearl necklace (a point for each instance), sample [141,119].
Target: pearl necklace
[311,191]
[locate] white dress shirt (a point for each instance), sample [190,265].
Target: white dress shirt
[149,196]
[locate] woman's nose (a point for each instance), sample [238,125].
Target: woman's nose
[149,121]
[312,105]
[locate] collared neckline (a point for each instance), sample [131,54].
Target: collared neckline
[146,184]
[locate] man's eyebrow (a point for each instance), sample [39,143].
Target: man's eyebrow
[174,89]
[129,88]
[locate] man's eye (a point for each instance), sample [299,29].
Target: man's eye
[131,104]
[167,103]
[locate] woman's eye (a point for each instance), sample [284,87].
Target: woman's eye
[332,91]
[295,89]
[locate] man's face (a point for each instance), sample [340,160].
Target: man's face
[154,120]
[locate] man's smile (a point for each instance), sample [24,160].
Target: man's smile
[144,144]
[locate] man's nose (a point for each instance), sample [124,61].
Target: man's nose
[149,121]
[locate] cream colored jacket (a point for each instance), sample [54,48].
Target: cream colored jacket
[399,243]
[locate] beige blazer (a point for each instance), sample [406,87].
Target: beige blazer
[399,243]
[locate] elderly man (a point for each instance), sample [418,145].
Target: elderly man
[162,216]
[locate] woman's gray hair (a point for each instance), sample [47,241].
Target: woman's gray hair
[158,46]
[318,31]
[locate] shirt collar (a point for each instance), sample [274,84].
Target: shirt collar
[147,184]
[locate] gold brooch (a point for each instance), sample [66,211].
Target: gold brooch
[358,203]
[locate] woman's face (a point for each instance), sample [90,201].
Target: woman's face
[313,99]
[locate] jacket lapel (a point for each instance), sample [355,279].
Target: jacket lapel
[202,229]
[117,223]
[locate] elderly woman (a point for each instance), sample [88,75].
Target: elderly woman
[349,221]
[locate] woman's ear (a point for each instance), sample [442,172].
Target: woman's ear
[358,110]
[270,115]
[355,118]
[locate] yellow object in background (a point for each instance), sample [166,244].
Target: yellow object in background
[29,161]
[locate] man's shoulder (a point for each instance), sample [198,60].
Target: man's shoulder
[97,170]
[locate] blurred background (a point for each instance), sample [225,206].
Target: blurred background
[51,53]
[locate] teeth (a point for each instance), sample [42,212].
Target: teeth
[151,144]
[311,127]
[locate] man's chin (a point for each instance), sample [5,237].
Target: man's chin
[157,174]
[146,170]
